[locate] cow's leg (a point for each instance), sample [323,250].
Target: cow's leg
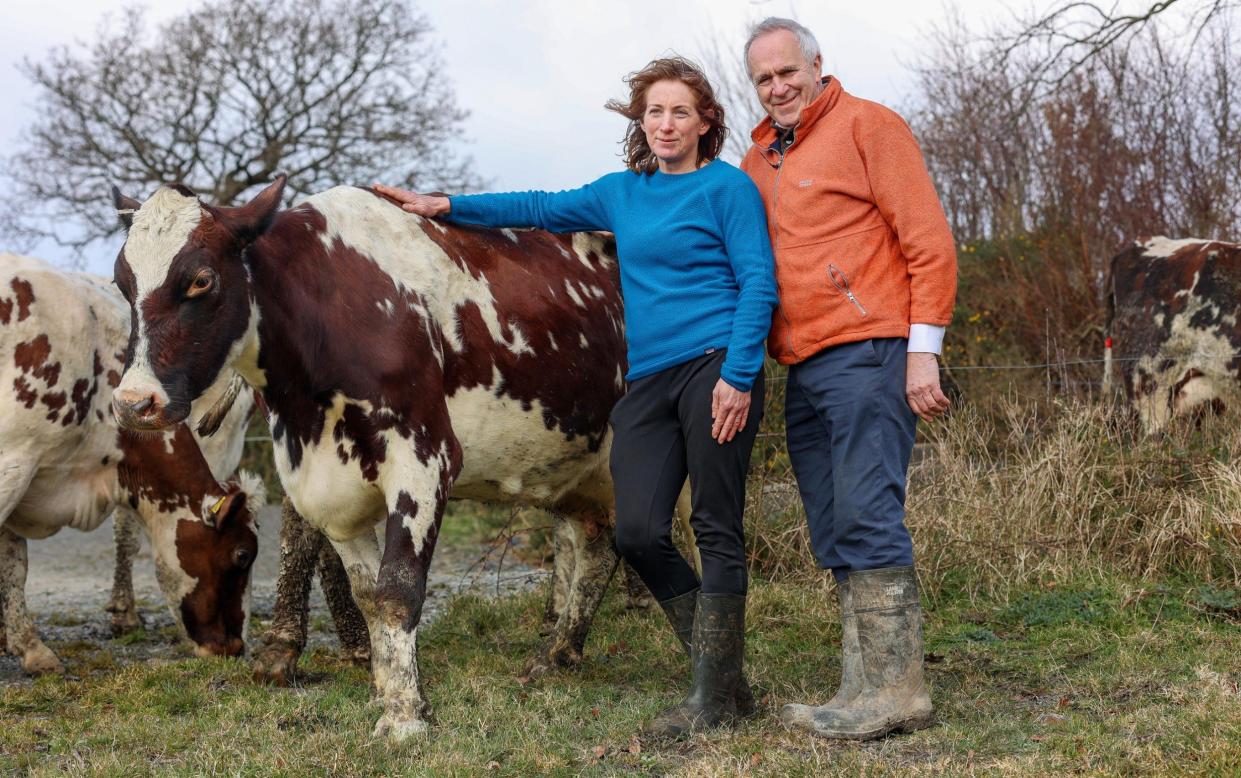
[23,638]
[412,527]
[594,563]
[275,661]
[121,605]
[637,596]
[355,638]
[390,593]
[563,561]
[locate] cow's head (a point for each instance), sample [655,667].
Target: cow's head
[181,269]
[203,555]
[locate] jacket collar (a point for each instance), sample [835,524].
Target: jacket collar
[765,133]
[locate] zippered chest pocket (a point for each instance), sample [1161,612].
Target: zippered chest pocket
[841,282]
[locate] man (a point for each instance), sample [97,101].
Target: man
[866,269]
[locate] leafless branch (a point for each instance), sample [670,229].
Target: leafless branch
[330,91]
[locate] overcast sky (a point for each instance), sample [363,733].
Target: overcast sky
[535,73]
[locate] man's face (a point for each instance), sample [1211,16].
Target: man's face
[786,83]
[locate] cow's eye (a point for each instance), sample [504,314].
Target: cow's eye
[242,558]
[202,283]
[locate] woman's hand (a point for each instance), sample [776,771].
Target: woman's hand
[423,205]
[729,410]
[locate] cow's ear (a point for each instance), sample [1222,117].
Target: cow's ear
[126,207]
[220,510]
[251,220]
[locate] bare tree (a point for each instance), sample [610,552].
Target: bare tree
[1074,32]
[722,61]
[1142,139]
[329,91]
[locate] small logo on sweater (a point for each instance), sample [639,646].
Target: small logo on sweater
[805,182]
[710,350]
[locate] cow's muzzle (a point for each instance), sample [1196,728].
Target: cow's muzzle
[139,410]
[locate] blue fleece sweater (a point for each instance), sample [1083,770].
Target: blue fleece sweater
[695,262]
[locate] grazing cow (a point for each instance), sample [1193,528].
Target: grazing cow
[1173,308]
[401,361]
[64,462]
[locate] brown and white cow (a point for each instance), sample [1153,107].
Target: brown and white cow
[1173,308]
[401,361]
[65,463]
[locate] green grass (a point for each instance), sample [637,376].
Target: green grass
[1105,677]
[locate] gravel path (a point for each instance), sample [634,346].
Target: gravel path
[70,581]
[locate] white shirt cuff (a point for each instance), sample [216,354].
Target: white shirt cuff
[926,338]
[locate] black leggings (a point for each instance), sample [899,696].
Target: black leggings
[662,432]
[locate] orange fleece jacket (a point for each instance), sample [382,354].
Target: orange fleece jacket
[851,210]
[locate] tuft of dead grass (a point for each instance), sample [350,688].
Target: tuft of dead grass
[1017,495]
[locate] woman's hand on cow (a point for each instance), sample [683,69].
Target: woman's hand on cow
[423,205]
[729,410]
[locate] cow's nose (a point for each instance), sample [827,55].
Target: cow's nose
[133,407]
[132,403]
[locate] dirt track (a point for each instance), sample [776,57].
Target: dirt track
[70,581]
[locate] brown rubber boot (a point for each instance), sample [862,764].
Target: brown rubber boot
[797,715]
[718,651]
[680,613]
[893,696]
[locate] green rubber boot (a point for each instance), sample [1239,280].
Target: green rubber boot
[718,650]
[680,613]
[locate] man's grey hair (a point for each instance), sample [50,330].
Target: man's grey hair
[805,38]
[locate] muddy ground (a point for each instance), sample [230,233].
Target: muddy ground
[70,581]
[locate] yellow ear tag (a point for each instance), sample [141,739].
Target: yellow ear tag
[218,504]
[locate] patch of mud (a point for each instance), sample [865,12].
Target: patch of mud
[70,581]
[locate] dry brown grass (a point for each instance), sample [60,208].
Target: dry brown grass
[1013,495]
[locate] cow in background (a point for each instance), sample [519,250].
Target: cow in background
[401,361]
[1173,309]
[64,462]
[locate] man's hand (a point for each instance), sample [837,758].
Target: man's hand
[922,385]
[729,410]
[423,205]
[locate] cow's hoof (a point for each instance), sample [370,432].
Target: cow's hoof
[124,622]
[640,602]
[41,661]
[275,664]
[551,660]
[398,728]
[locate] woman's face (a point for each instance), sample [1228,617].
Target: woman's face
[673,126]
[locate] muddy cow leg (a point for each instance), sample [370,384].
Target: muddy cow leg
[275,661]
[23,638]
[595,561]
[355,638]
[637,596]
[562,576]
[391,593]
[125,616]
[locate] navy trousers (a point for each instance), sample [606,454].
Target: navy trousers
[850,435]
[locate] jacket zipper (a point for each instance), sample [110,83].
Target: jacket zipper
[841,282]
[775,249]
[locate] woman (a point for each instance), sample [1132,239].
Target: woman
[697,277]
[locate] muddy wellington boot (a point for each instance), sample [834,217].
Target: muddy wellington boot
[680,613]
[718,650]
[796,715]
[893,696]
